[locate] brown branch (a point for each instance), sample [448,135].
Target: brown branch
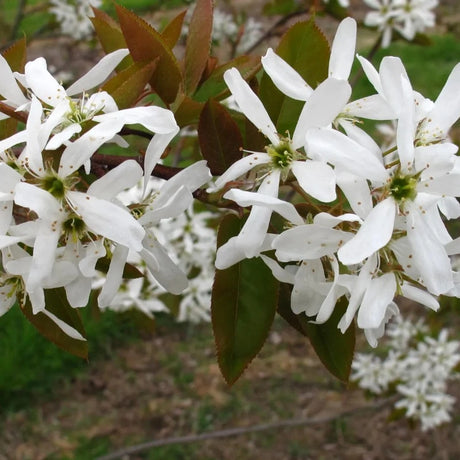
[11,112]
[244,430]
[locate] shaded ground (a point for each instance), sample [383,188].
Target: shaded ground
[169,385]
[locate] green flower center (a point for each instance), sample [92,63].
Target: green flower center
[74,226]
[403,188]
[55,186]
[281,155]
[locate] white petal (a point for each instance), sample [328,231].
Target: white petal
[94,251]
[308,242]
[154,152]
[283,208]
[391,70]
[322,107]
[69,330]
[278,272]
[285,78]
[327,220]
[419,296]
[9,89]
[357,192]
[155,119]
[107,219]
[114,276]
[250,104]
[169,275]
[343,50]
[316,178]
[98,73]
[42,83]
[345,154]
[192,177]
[446,109]
[429,255]
[373,107]
[405,133]
[255,228]
[374,234]
[377,297]
[78,152]
[239,168]
[124,176]
[60,138]
[39,200]
[371,73]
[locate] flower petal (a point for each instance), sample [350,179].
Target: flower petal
[343,50]
[98,73]
[107,219]
[250,104]
[285,78]
[375,233]
[316,178]
[322,107]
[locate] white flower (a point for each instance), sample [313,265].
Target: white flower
[73,16]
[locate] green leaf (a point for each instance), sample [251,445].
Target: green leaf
[171,33]
[244,299]
[215,87]
[146,44]
[198,44]
[334,349]
[56,303]
[280,7]
[127,85]
[219,136]
[110,36]
[306,49]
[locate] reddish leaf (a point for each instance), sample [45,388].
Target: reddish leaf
[15,55]
[198,44]
[219,136]
[56,303]
[188,112]
[215,87]
[171,33]
[244,299]
[127,85]
[146,44]
[110,36]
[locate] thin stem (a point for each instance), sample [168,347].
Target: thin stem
[11,112]
[18,19]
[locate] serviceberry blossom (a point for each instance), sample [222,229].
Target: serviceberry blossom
[408,17]
[56,221]
[417,366]
[73,16]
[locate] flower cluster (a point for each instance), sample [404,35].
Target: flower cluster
[188,235]
[371,225]
[57,222]
[418,367]
[73,16]
[408,17]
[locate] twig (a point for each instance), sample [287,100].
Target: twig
[10,111]
[271,31]
[242,430]
[18,19]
